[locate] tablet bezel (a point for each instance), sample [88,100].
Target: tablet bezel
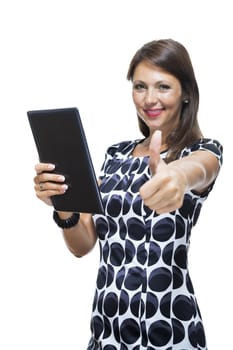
[60,139]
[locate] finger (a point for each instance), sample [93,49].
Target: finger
[42,167]
[46,195]
[154,151]
[48,177]
[149,189]
[49,188]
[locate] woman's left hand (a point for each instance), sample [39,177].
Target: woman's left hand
[164,192]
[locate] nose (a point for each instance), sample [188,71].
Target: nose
[151,96]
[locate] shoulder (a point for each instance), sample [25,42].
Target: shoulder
[115,153]
[205,144]
[121,148]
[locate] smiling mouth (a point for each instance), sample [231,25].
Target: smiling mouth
[152,113]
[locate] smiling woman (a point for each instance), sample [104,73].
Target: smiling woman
[157,96]
[153,190]
[167,82]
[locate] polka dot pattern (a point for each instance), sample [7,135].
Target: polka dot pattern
[144,297]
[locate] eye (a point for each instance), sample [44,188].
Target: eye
[164,87]
[139,86]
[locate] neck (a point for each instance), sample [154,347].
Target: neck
[142,149]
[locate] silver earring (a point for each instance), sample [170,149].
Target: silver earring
[186,101]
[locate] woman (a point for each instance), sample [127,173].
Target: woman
[153,190]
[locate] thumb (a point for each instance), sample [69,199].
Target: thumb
[154,151]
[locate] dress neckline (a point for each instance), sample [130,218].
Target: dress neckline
[134,145]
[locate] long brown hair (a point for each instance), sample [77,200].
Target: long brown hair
[173,57]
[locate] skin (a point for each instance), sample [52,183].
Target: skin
[157,96]
[158,99]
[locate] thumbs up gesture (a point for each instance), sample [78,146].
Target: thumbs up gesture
[164,192]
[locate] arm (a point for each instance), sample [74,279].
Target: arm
[200,169]
[81,238]
[165,191]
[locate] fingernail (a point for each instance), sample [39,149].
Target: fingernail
[51,166]
[64,187]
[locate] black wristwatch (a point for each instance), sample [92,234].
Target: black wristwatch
[66,223]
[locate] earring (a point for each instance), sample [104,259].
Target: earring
[186,101]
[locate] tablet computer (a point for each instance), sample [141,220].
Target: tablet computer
[60,139]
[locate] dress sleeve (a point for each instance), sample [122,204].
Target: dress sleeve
[210,145]
[115,151]
[111,152]
[108,157]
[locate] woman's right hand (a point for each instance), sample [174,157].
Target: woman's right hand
[47,183]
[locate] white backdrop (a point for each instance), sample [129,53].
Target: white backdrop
[76,53]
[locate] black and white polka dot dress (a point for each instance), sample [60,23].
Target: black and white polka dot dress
[144,297]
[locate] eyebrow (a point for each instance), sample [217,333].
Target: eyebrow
[157,82]
[138,81]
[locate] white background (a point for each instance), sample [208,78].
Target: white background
[76,53]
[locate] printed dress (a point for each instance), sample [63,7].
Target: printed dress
[144,297]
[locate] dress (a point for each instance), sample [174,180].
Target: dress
[144,298]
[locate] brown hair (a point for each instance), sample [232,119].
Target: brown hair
[172,56]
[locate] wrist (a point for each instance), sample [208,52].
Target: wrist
[181,176]
[64,215]
[66,220]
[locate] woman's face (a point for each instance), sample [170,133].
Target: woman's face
[157,96]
